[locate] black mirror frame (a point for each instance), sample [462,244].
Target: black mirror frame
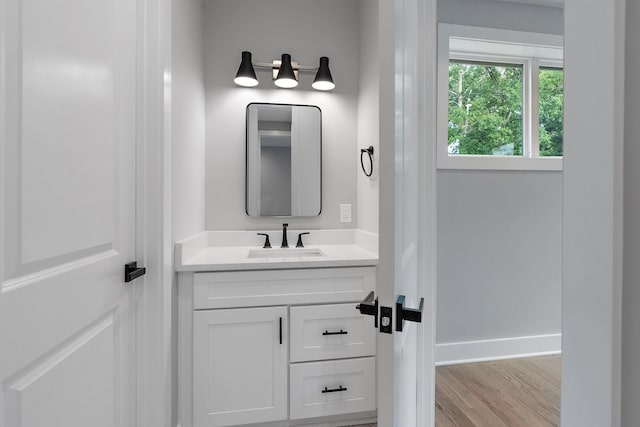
[246,160]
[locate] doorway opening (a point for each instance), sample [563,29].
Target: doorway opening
[499,214]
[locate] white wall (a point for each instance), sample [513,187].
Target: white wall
[499,254]
[187,139]
[368,114]
[187,127]
[631,272]
[502,14]
[307,29]
[499,232]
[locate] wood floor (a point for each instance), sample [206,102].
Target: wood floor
[508,393]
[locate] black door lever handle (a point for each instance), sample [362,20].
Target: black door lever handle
[369,306]
[408,314]
[132,271]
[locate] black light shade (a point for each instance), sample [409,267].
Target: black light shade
[246,75]
[323,80]
[286,77]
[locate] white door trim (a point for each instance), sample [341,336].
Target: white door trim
[153,216]
[592,206]
[592,280]
[428,211]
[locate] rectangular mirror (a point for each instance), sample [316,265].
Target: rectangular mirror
[284,160]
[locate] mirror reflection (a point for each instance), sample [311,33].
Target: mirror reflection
[284,155]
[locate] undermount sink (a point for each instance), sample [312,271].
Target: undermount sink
[285,253]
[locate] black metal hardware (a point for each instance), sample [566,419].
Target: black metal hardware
[335,333]
[369,306]
[284,244]
[386,314]
[408,314]
[281,330]
[132,271]
[299,244]
[333,390]
[369,151]
[267,243]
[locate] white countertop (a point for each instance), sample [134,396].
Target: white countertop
[229,251]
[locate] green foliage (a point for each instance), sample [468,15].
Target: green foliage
[551,110]
[485,110]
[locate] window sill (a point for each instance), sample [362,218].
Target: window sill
[509,163]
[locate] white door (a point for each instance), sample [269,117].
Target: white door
[67,135]
[407,210]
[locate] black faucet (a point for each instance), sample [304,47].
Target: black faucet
[284,244]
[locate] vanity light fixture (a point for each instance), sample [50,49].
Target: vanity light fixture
[285,72]
[323,80]
[286,77]
[246,75]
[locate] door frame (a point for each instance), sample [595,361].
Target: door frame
[154,248]
[592,270]
[593,201]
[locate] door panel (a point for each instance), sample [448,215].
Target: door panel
[82,371]
[67,106]
[407,210]
[67,129]
[407,138]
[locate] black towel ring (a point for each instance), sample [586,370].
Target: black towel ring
[369,151]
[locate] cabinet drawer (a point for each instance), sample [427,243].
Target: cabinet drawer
[336,387]
[282,287]
[330,332]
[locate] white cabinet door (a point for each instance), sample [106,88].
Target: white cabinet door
[67,157]
[239,366]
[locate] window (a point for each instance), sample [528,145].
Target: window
[485,109]
[551,90]
[500,99]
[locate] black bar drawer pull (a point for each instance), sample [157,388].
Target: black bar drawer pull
[341,332]
[333,390]
[281,330]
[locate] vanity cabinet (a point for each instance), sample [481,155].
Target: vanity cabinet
[276,348]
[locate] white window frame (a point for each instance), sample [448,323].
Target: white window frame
[531,51]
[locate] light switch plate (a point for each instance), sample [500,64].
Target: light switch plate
[345,213]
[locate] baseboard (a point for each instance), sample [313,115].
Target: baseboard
[497,349]
[364,418]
